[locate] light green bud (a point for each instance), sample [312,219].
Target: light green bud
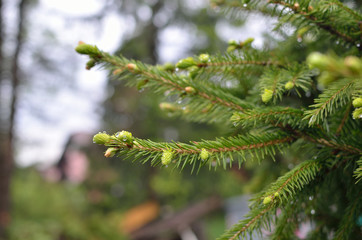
[204,154]
[248,41]
[357,113]
[125,136]
[317,60]
[276,194]
[133,68]
[91,63]
[193,71]
[267,200]
[267,95]
[185,63]
[190,90]
[289,85]
[326,78]
[353,63]
[110,152]
[101,138]
[141,84]
[232,42]
[167,156]
[87,49]
[231,48]
[169,67]
[357,102]
[204,58]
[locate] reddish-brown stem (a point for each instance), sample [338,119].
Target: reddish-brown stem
[182,150]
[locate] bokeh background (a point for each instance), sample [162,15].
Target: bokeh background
[61,185]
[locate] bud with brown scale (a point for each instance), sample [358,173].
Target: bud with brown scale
[190,90]
[133,68]
[296,6]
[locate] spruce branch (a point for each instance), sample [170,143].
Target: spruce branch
[162,81]
[237,60]
[275,116]
[310,15]
[292,182]
[336,95]
[340,5]
[279,194]
[277,81]
[252,221]
[220,150]
[316,138]
[286,223]
[237,9]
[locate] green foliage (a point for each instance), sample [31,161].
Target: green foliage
[358,171]
[338,95]
[46,211]
[281,101]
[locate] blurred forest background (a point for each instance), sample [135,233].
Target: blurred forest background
[55,181]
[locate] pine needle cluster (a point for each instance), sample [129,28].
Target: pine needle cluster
[310,105]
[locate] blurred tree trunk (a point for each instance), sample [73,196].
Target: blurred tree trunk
[7,139]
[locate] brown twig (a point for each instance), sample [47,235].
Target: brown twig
[183,150]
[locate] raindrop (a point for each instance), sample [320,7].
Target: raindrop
[235,124]
[310,198]
[312,211]
[179,101]
[358,45]
[245,5]
[299,39]
[141,90]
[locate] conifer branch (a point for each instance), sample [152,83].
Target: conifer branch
[287,185]
[231,7]
[174,82]
[286,223]
[329,143]
[223,85]
[316,21]
[277,81]
[284,188]
[189,149]
[211,152]
[251,222]
[233,61]
[238,62]
[338,94]
[345,8]
[219,102]
[275,116]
